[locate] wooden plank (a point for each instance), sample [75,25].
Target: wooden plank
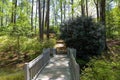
[73,64]
[27,76]
[33,68]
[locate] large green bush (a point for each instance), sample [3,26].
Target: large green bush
[83,34]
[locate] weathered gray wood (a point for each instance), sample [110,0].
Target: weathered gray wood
[27,76]
[57,69]
[34,67]
[74,67]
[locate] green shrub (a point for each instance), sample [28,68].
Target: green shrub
[102,69]
[31,47]
[83,34]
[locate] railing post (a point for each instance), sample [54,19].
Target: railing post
[74,53]
[27,75]
[77,72]
[54,51]
[68,52]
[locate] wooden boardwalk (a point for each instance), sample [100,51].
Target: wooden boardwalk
[57,69]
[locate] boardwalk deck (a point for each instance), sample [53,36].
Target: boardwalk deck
[57,69]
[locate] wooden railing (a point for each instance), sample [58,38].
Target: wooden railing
[74,67]
[34,67]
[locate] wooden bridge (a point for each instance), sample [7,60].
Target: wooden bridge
[51,66]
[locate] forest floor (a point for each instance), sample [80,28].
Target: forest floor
[114,46]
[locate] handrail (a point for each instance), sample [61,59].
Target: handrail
[74,67]
[34,67]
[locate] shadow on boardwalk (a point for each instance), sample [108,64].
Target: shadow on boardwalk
[57,69]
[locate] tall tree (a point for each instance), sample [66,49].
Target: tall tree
[1,11]
[87,7]
[72,8]
[61,10]
[102,11]
[40,27]
[14,9]
[36,15]
[47,17]
[97,9]
[32,16]
[102,18]
[43,16]
[82,8]
[65,10]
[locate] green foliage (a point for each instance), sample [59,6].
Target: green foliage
[113,23]
[83,34]
[26,45]
[10,74]
[102,69]
[34,46]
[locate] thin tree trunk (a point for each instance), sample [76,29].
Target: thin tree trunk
[15,12]
[61,11]
[98,17]
[40,27]
[72,9]
[32,16]
[96,2]
[36,16]
[14,7]
[12,16]
[54,12]
[102,19]
[87,7]
[82,8]
[2,15]
[47,17]
[65,10]
[43,17]
[102,11]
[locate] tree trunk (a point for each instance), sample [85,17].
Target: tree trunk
[15,12]
[14,7]
[65,10]
[82,8]
[12,16]
[36,16]
[72,8]
[102,19]
[102,11]
[61,11]
[98,16]
[43,17]
[96,2]
[47,17]
[87,7]
[1,8]
[32,16]
[40,27]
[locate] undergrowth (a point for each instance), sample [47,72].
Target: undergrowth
[11,74]
[105,67]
